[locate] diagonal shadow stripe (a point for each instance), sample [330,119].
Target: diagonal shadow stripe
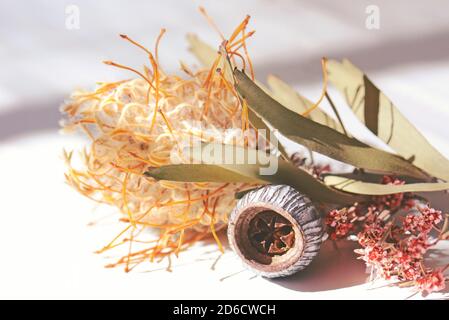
[44,114]
[392,53]
[30,118]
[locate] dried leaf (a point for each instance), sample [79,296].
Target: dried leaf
[211,171]
[321,138]
[205,54]
[204,173]
[259,124]
[292,100]
[379,114]
[369,188]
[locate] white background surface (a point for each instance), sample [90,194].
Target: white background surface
[46,244]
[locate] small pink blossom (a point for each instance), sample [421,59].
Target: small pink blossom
[371,234]
[390,201]
[432,281]
[423,221]
[341,222]
[410,271]
[416,247]
[432,215]
[372,255]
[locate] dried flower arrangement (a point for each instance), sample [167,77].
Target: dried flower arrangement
[137,163]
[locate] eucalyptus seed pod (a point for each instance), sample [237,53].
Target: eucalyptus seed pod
[275,230]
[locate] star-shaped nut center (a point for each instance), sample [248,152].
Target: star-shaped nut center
[271,234]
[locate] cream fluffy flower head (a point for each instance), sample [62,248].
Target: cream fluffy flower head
[145,122]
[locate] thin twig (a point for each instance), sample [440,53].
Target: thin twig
[336,112]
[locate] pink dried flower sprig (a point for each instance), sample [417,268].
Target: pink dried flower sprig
[395,247]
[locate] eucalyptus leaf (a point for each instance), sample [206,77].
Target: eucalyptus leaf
[193,172]
[318,137]
[292,100]
[259,124]
[380,116]
[206,55]
[211,171]
[369,188]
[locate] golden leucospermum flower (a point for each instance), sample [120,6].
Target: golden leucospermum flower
[140,123]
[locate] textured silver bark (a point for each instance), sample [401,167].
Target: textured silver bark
[291,204]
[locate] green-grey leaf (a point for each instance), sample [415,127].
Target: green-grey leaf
[210,171]
[203,173]
[292,100]
[369,188]
[259,124]
[379,114]
[205,54]
[321,138]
